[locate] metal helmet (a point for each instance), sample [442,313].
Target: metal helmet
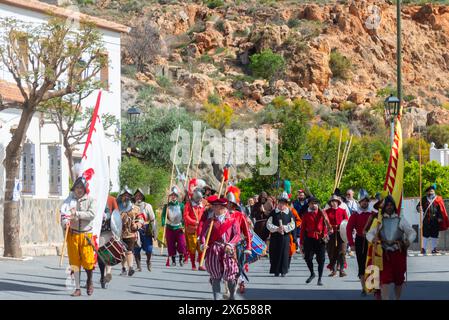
[284,197]
[197,195]
[82,181]
[175,191]
[125,190]
[231,198]
[363,194]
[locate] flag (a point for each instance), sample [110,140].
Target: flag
[94,168]
[226,173]
[395,173]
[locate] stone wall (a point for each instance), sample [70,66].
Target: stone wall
[40,232]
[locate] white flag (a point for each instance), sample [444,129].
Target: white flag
[94,167]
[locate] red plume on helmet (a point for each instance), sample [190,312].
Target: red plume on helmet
[235,191]
[195,183]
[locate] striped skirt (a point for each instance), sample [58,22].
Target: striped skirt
[219,264]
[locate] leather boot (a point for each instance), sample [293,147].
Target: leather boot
[90,284]
[216,288]
[138,259]
[232,285]
[192,259]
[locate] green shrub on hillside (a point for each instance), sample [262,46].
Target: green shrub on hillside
[266,64]
[339,65]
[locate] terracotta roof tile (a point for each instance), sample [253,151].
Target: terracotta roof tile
[62,12]
[10,92]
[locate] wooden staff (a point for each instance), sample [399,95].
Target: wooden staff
[221,186]
[338,159]
[341,164]
[64,243]
[209,231]
[190,160]
[420,192]
[344,163]
[201,152]
[171,182]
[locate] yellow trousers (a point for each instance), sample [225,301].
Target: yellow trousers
[81,253]
[192,243]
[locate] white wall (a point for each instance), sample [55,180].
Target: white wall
[439,155]
[110,103]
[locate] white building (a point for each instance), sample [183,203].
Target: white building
[44,170]
[439,155]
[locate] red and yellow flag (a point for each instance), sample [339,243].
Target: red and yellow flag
[394,180]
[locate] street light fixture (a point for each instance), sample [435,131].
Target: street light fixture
[133,114]
[392,107]
[307,158]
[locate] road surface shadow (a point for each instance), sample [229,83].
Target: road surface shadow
[15,287]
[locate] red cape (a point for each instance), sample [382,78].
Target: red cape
[444,225]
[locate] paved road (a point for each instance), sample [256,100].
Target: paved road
[41,278]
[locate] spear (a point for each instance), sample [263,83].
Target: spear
[171,182]
[344,162]
[201,150]
[338,159]
[420,190]
[190,160]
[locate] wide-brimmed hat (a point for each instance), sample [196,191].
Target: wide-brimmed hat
[431,187]
[220,201]
[389,199]
[141,192]
[313,199]
[334,197]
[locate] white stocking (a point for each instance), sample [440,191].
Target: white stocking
[434,243]
[77,274]
[425,240]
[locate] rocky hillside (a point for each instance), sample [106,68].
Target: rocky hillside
[208,50]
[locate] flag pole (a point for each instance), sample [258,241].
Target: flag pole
[420,190]
[171,182]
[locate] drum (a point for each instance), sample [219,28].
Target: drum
[258,248]
[342,231]
[112,252]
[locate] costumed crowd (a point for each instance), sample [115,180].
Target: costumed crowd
[222,237]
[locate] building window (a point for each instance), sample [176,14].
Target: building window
[28,169]
[104,72]
[55,172]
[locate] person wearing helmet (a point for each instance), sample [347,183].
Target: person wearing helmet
[77,214]
[242,221]
[357,221]
[394,234]
[172,216]
[221,246]
[148,230]
[193,213]
[131,222]
[280,223]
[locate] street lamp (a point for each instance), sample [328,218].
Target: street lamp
[133,114]
[392,107]
[307,158]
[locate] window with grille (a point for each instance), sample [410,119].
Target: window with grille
[28,169]
[54,170]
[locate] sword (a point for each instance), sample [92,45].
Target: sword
[95,249]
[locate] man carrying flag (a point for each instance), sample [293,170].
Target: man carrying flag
[82,212]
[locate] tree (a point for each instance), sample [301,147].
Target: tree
[144,43]
[439,134]
[266,64]
[67,113]
[44,61]
[218,116]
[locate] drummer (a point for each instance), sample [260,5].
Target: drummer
[234,210]
[336,248]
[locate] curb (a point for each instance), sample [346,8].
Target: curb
[16,259]
[428,254]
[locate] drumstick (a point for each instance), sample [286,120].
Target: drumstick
[64,243]
[207,241]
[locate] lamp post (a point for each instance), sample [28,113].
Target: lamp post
[133,118]
[133,114]
[399,50]
[392,106]
[307,158]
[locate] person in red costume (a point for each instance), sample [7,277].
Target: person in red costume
[193,212]
[336,248]
[220,249]
[357,221]
[314,233]
[234,209]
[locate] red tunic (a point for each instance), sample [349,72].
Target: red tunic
[313,225]
[227,231]
[192,217]
[243,226]
[358,222]
[336,216]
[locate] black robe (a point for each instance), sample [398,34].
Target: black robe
[280,244]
